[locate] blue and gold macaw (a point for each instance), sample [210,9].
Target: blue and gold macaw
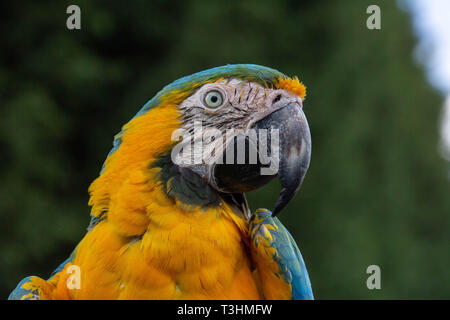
[172,224]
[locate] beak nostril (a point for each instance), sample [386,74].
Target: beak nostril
[277,98]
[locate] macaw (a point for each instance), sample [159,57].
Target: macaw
[165,228]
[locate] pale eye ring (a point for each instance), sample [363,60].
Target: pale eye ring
[213,99]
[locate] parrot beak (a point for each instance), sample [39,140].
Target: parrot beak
[285,139]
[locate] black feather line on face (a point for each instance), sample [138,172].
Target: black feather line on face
[185,185]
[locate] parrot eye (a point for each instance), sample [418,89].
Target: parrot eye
[213,99]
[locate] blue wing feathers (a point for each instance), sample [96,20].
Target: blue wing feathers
[18,293]
[292,261]
[287,254]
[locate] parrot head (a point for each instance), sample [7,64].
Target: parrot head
[226,130]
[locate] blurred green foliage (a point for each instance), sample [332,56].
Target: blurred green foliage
[377,191]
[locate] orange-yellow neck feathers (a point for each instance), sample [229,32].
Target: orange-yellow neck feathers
[142,139]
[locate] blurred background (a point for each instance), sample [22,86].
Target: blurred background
[378,188]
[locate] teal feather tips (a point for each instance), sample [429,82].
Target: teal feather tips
[292,268]
[20,293]
[265,76]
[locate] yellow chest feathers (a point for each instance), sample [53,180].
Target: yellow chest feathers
[149,247]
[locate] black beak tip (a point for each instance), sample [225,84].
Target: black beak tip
[295,155]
